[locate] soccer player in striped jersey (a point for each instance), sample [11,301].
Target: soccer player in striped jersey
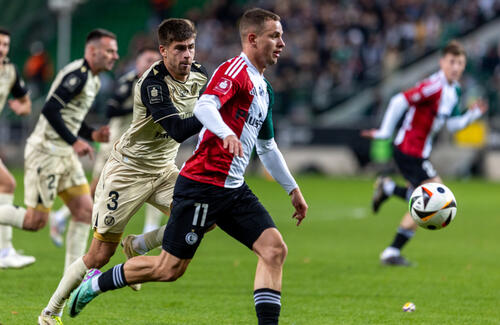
[429,105]
[235,111]
[10,83]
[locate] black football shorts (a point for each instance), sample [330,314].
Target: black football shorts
[414,169]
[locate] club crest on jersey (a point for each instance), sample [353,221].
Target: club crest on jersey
[191,238]
[154,94]
[223,86]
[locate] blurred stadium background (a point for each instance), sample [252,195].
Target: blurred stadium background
[343,61]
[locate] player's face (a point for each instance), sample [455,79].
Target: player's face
[178,57]
[269,43]
[453,66]
[145,60]
[4,46]
[106,53]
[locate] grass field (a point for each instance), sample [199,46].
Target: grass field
[332,273]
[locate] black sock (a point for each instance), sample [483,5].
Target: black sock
[267,306]
[401,191]
[113,278]
[402,237]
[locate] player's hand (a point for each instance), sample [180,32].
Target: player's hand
[300,205]
[369,133]
[101,135]
[19,107]
[234,145]
[82,148]
[481,105]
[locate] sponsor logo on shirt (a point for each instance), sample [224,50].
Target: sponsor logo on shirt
[252,120]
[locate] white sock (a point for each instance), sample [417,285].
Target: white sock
[389,186]
[6,231]
[139,245]
[11,215]
[390,252]
[72,277]
[154,238]
[63,213]
[153,218]
[76,241]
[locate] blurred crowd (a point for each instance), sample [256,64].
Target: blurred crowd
[335,48]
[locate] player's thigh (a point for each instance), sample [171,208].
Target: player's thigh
[121,191]
[42,174]
[73,182]
[247,218]
[195,208]
[7,181]
[163,190]
[415,170]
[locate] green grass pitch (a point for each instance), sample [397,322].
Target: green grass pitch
[332,273]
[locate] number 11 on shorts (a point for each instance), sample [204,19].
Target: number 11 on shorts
[203,206]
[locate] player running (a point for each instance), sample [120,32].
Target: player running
[51,155]
[119,110]
[141,168]
[236,114]
[10,83]
[429,105]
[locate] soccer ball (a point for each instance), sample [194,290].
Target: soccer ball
[433,206]
[409,307]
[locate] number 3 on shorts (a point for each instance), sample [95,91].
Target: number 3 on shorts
[203,206]
[114,200]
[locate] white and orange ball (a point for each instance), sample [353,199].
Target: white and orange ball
[432,206]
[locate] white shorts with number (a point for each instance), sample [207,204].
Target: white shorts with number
[120,193]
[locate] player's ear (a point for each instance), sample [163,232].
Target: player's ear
[163,50]
[252,38]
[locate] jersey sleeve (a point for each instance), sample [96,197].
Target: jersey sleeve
[222,84]
[70,86]
[267,130]
[19,88]
[156,97]
[422,92]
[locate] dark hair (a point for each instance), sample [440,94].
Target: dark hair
[99,33]
[147,48]
[454,47]
[175,29]
[4,31]
[254,19]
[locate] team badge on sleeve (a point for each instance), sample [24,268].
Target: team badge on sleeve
[154,94]
[72,82]
[223,86]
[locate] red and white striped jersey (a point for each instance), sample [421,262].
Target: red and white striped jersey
[432,102]
[244,97]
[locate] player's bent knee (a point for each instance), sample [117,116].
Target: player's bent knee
[275,254]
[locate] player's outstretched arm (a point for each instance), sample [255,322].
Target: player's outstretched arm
[300,205]
[397,106]
[475,111]
[21,106]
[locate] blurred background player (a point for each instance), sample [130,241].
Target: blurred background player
[119,111]
[429,105]
[10,83]
[51,155]
[141,167]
